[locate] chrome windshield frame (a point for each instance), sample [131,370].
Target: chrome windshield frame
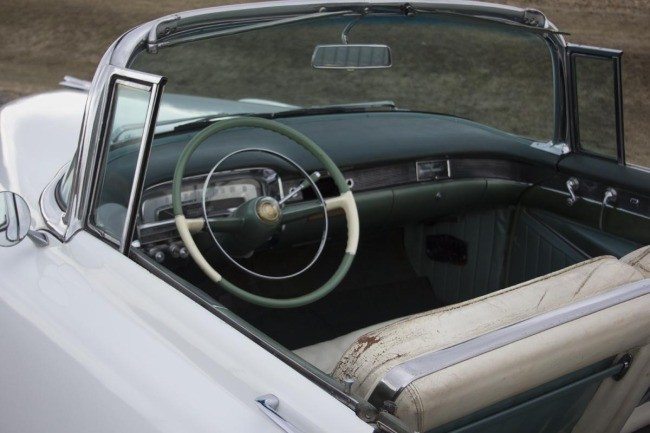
[65,223]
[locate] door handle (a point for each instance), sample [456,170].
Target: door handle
[572,186]
[609,198]
[269,404]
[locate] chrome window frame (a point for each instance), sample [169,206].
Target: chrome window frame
[154,84]
[573,52]
[86,164]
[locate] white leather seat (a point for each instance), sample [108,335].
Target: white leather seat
[326,355]
[640,259]
[458,390]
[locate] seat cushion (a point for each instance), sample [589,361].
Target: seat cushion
[640,259]
[327,354]
[370,355]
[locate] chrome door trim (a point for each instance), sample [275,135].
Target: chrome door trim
[402,375]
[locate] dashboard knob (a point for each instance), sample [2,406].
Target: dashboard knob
[178,251]
[159,256]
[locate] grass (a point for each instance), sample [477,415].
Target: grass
[43,40]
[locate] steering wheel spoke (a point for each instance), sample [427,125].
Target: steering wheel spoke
[229,224]
[299,211]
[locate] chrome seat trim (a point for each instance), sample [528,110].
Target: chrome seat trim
[402,375]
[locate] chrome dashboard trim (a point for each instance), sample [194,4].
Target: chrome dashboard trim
[402,375]
[418,174]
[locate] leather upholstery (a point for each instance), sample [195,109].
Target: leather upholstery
[326,355]
[427,402]
[640,259]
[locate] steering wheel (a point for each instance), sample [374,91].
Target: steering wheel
[253,221]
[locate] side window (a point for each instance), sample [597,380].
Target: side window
[597,101]
[125,147]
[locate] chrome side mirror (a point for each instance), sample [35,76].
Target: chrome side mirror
[15,219]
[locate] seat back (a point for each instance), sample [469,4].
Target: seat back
[453,367]
[640,259]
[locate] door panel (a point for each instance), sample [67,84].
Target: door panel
[628,218]
[536,249]
[591,241]
[483,234]
[550,408]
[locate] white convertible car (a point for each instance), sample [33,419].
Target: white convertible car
[346,216]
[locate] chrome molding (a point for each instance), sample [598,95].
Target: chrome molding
[52,213]
[92,142]
[402,375]
[75,83]
[156,84]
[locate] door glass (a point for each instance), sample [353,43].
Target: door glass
[124,138]
[596,100]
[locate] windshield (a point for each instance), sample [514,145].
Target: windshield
[491,73]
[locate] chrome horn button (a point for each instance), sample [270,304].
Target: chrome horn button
[268,210]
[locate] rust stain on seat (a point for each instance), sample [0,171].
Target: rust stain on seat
[365,342]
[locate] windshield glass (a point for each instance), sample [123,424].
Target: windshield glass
[491,73]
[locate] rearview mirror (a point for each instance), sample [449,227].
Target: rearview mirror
[351,56]
[15,219]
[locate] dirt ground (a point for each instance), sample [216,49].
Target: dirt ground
[43,40]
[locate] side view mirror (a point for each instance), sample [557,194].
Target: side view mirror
[15,221]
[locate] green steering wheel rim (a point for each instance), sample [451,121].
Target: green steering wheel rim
[314,149]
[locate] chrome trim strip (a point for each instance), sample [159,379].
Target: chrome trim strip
[143,161]
[418,164]
[193,34]
[75,83]
[50,210]
[402,375]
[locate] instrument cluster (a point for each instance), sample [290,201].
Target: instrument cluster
[226,191]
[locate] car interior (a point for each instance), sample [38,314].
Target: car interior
[464,229]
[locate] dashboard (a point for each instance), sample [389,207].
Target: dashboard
[375,151]
[227,190]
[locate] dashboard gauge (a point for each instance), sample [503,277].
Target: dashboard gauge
[227,190]
[221,196]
